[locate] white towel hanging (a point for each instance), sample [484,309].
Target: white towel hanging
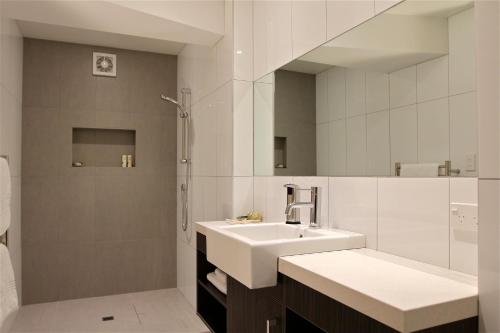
[9,302]
[419,170]
[5,195]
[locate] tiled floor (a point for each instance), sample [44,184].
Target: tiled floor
[152,311]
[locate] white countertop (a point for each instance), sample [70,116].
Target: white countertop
[401,293]
[201,227]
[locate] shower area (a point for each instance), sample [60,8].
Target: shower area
[99,171]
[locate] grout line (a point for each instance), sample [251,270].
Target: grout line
[137,314]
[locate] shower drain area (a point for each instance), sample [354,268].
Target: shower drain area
[164,310]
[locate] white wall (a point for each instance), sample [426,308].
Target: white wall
[487,37]
[409,217]
[11,57]
[422,113]
[220,78]
[286,29]
[367,205]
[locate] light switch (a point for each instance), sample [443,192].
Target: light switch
[470,162]
[463,216]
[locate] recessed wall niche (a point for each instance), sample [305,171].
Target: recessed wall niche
[102,147]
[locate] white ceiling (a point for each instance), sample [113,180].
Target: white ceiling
[153,26]
[98,38]
[409,33]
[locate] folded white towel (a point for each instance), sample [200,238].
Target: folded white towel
[216,283]
[221,276]
[419,170]
[5,196]
[9,302]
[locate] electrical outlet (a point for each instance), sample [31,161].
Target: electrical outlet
[470,162]
[463,216]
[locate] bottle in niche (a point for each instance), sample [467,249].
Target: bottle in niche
[124,161]
[129,161]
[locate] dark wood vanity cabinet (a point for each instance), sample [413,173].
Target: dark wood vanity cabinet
[253,310]
[305,307]
[290,307]
[243,310]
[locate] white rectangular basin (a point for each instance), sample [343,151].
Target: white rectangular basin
[249,253]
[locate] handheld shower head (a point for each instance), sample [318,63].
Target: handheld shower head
[179,105]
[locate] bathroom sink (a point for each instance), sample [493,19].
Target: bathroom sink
[272,231]
[249,253]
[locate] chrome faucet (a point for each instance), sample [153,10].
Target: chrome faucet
[313,205]
[291,197]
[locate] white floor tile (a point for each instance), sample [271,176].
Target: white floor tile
[151,311]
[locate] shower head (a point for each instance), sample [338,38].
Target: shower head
[171,100]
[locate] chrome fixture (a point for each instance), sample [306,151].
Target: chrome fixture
[444,170]
[313,205]
[184,107]
[291,195]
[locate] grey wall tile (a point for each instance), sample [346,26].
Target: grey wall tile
[78,85]
[78,216]
[41,209]
[40,273]
[76,267]
[42,140]
[41,71]
[112,202]
[100,222]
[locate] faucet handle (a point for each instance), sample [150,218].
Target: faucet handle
[290,186]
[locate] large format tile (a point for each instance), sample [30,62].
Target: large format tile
[41,213]
[337,144]
[356,146]
[76,267]
[463,241]
[272,32]
[413,218]
[464,133]
[489,249]
[378,151]
[353,206]
[433,131]
[78,216]
[336,93]
[225,48]
[462,52]
[224,129]
[432,79]
[322,114]
[377,91]
[345,15]
[308,25]
[242,195]
[163,310]
[322,149]
[243,40]
[403,85]
[242,128]
[355,92]
[41,275]
[403,127]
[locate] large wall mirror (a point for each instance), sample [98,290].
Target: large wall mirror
[393,96]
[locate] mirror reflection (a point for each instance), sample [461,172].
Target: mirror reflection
[394,96]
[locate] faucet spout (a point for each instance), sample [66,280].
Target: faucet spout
[313,205]
[293,205]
